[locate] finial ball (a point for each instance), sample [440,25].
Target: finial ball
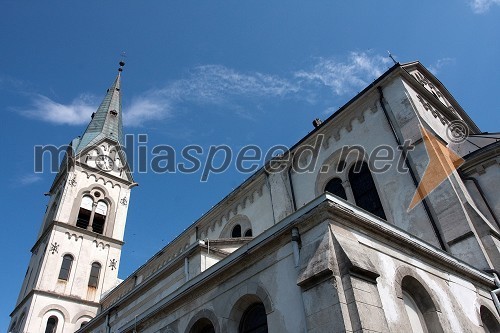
[122,63]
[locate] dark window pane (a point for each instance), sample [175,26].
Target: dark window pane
[248,233]
[364,190]
[94,275]
[66,267]
[203,326]
[98,223]
[236,231]
[334,186]
[51,325]
[83,218]
[254,319]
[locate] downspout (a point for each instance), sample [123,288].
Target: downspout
[291,186]
[108,318]
[108,326]
[481,193]
[434,225]
[296,261]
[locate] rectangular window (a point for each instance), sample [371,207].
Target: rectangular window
[98,223]
[94,275]
[65,267]
[83,218]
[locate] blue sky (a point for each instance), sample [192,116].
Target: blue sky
[212,72]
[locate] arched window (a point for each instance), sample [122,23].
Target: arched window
[254,319]
[94,274]
[414,314]
[364,190]
[203,325]
[85,212]
[248,233]
[236,231]
[334,186]
[66,267]
[490,324]
[92,214]
[420,307]
[51,325]
[100,213]
[83,324]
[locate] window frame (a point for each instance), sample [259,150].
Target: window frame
[96,220]
[263,327]
[54,328]
[94,278]
[67,274]
[330,184]
[236,231]
[362,192]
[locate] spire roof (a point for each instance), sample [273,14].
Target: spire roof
[107,120]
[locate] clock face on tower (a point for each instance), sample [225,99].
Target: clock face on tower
[105,163]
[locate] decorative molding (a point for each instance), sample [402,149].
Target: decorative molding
[54,248]
[74,235]
[72,182]
[435,112]
[113,263]
[100,245]
[333,130]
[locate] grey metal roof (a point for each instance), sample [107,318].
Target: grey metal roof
[107,121]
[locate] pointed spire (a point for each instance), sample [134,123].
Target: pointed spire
[107,120]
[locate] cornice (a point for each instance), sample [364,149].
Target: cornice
[317,211]
[480,159]
[55,295]
[107,177]
[75,232]
[430,97]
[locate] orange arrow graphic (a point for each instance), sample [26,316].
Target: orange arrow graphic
[442,163]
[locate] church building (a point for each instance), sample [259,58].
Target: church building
[384,218]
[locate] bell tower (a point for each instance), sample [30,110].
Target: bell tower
[76,256]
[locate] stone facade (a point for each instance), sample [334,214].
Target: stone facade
[279,254]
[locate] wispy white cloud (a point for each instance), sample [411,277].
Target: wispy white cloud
[225,87]
[75,113]
[348,76]
[440,64]
[208,84]
[216,84]
[482,6]
[29,179]
[143,108]
[147,107]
